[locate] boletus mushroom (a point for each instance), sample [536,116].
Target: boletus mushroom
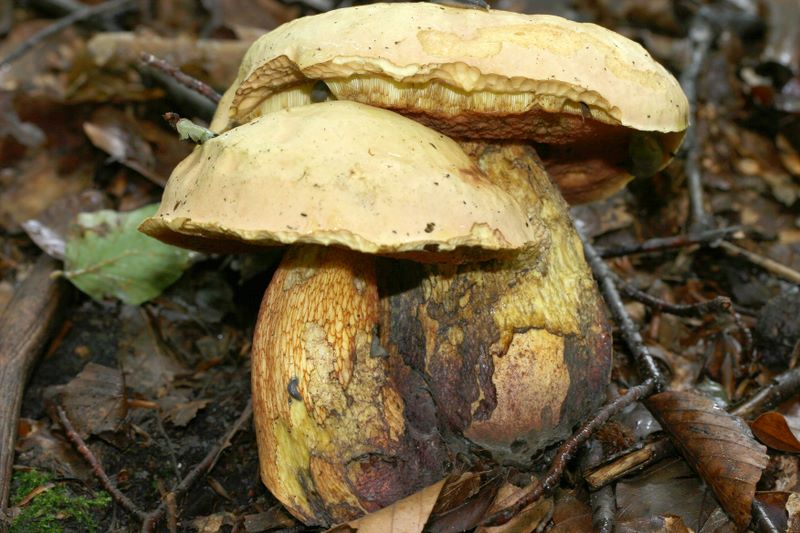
[376,375]
[599,109]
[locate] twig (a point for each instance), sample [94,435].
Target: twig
[627,462]
[97,468]
[701,35]
[184,79]
[60,25]
[770,265]
[27,323]
[201,468]
[567,449]
[699,309]
[645,362]
[783,387]
[720,304]
[61,8]
[668,243]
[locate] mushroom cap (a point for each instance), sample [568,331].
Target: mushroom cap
[342,174]
[477,74]
[506,62]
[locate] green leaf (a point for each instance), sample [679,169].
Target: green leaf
[107,256]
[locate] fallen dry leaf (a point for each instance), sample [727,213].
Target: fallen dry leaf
[462,510]
[773,430]
[570,514]
[718,445]
[274,518]
[119,136]
[408,515]
[94,400]
[793,510]
[182,413]
[528,520]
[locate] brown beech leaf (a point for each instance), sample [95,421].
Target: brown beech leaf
[773,430]
[408,515]
[718,445]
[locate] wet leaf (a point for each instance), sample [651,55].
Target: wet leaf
[773,430]
[108,256]
[774,505]
[655,524]
[718,445]
[94,400]
[667,488]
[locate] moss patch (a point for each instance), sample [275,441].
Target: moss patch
[53,510]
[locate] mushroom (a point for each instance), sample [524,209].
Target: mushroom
[602,107]
[375,376]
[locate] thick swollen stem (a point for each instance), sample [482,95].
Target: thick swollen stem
[517,350]
[329,420]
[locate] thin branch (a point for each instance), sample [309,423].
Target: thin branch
[720,304]
[60,25]
[184,79]
[204,466]
[630,333]
[97,468]
[567,450]
[770,265]
[701,34]
[783,387]
[668,243]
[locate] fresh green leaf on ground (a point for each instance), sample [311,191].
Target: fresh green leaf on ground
[106,256]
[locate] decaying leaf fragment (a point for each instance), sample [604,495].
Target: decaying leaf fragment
[94,399]
[718,445]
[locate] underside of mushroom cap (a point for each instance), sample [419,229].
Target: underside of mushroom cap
[342,174]
[542,75]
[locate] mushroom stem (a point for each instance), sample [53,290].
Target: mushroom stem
[329,420]
[515,350]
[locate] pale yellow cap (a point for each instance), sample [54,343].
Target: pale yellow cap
[342,174]
[475,74]
[536,61]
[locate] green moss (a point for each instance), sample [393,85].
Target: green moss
[54,509]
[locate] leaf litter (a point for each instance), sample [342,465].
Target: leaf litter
[196,366]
